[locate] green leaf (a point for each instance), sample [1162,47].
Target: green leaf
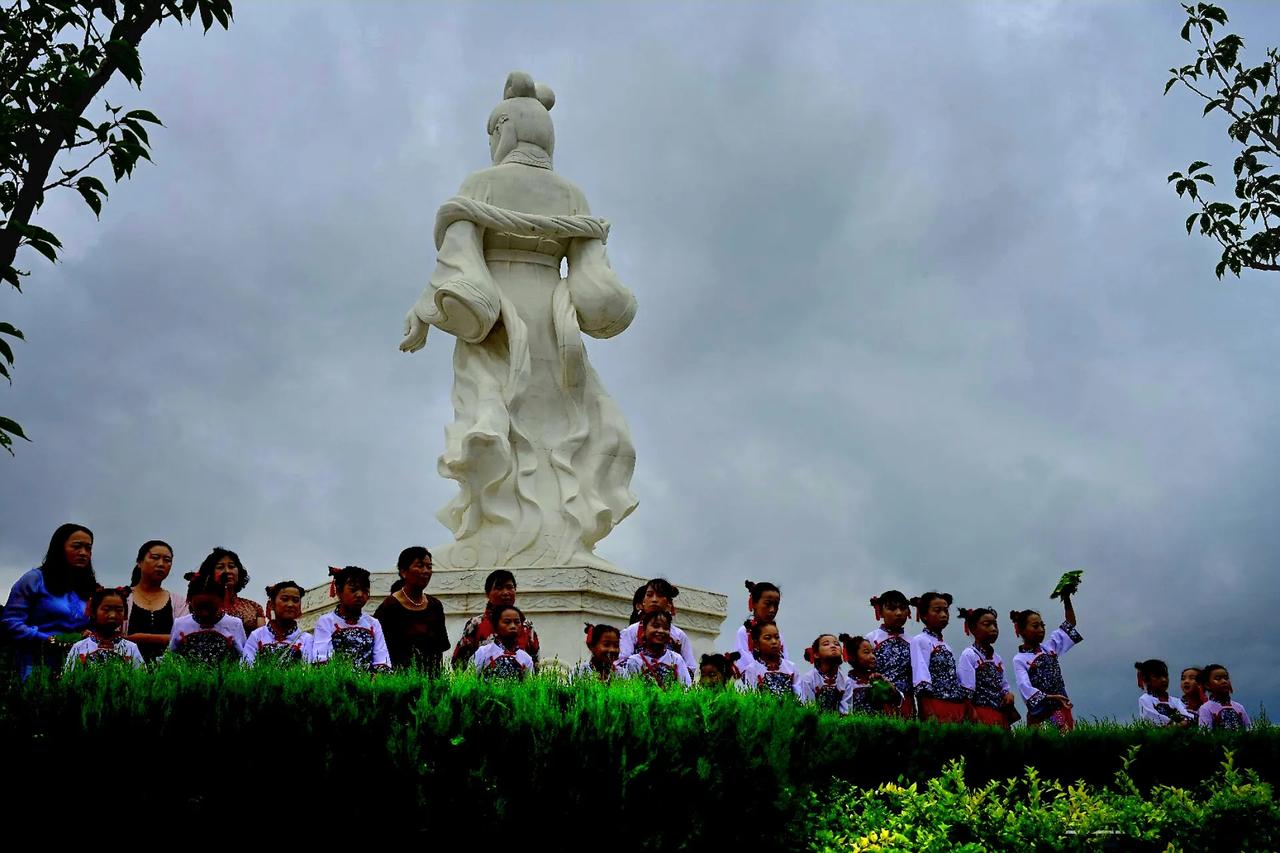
[1173,177]
[1169,85]
[90,198]
[1211,106]
[4,371]
[1068,584]
[144,115]
[12,331]
[1207,178]
[1213,13]
[12,276]
[126,59]
[1191,221]
[12,427]
[6,351]
[1196,166]
[1186,31]
[206,15]
[35,232]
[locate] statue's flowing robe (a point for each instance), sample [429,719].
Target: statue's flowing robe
[541,453]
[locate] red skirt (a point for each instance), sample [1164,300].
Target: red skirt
[908,709]
[942,710]
[1060,718]
[990,716]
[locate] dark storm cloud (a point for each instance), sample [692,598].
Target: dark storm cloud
[916,310]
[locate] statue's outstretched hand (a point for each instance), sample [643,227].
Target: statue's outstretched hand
[415,332]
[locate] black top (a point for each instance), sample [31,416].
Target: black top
[144,621]
[415,638]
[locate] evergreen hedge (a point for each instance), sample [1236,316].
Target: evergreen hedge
[688,767]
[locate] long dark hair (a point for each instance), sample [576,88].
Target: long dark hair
[59,578]
[136,577]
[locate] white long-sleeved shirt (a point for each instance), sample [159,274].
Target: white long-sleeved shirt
[223,641]
[660,670]
[297,647]
[679,643]
[1162,711]
[758,677]
[893,657]
[584,669]
[829,693]
[361,642]
[1215,715]
[1037,673]
[91,651]
[983,677]
[933,668]
[493,660]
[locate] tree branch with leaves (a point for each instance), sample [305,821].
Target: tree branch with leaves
[56,57]
[1249,233]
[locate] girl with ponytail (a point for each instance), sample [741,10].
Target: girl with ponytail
[763,600]
[602,641]
[825,685]
[1036,669]
[281,641]
[892,650]
[933,665]
[981,671]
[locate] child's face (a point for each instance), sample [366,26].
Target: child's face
[1190,686]
[829,648]
[653,602]
[354,596]
[938,616]
[710,677]
[865,656]
[769,642]
[508,627]
[287,604]
[110,614]
[986,629]
[503,593]
[1220,685]
[1157,684]
[206,607]
[766,607]
[895,615]
[1033,633]
[606,647]
[656,635]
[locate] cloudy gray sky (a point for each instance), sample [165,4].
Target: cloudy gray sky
[917,309]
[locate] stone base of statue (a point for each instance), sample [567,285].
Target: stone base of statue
[558,600]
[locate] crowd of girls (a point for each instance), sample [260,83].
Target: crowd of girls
[883,671]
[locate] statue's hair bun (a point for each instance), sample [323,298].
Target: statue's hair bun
[520,85]
[544,94]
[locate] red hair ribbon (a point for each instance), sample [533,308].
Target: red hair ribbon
[333,577]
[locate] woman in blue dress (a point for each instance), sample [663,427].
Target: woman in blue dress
[49,600]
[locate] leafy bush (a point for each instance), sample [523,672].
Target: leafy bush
[1232,810]
[684,768]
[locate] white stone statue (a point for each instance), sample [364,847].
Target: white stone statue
[541,453]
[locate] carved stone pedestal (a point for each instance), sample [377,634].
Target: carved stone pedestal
[557,600]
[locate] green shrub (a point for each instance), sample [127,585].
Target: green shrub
[1232,810]
[688,767]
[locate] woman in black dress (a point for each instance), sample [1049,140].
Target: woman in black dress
[413,621]
[152,608]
